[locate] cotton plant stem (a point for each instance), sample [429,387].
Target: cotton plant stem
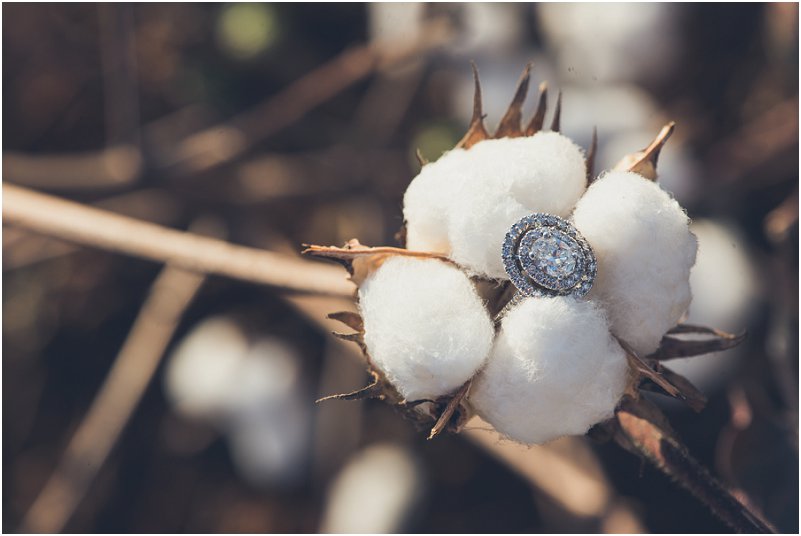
[137,361]
[89,226]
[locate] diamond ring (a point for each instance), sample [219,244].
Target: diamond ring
[545,255]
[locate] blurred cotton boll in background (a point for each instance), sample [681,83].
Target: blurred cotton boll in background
[599,106]
[203,367]
[613,42]
[391,21]
[375,492]
[250,391]
[602,54]
[725,291]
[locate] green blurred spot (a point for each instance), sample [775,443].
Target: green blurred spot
[433,140]
[246,30]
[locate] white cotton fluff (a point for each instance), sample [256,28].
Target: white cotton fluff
[464,203]
[641,238]
[375,493]
[725,290]
[426,201]
[425,327]
[555,370]
[202,369]
[254,393]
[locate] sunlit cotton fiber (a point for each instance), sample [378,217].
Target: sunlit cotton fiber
[641,238]
[555,370]
[425,327]
[464,203]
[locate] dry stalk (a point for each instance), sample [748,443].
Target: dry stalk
[115,167]
[221,143]
[22,249]
[644,430]
[98,228]
[121,392]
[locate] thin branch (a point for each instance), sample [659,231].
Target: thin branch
[643,429]
[221,143]
[22,249]
[115,167]
[119,396]
[94,227]
[118,58]
[566,471]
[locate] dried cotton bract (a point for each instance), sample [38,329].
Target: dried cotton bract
[554,370]
[425,327]
[645,250]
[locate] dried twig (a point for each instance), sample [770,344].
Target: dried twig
[121,392]
[115,167]
[566,471]
[643,429]
[98,228]
[22,249]
[118,55]
[221,143]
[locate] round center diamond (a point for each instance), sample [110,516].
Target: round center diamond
[555,256]
[545,255]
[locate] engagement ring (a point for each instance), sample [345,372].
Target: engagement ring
[545,255]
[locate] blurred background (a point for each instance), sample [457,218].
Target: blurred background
[280,124]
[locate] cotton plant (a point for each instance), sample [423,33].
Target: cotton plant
[531,292]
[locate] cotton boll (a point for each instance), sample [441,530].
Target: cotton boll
[591,38]
[645,250]
[477,231]
[555,370]
[464,203]
[724,277]
[425,326]
[509,179]
[425,204]
[268,374]
[268,418]
[251,392]
[203,368]
[270,444]
[390,22]
[547,171]
[725,291]
[375,493]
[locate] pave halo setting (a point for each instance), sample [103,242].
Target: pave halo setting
[545,255]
